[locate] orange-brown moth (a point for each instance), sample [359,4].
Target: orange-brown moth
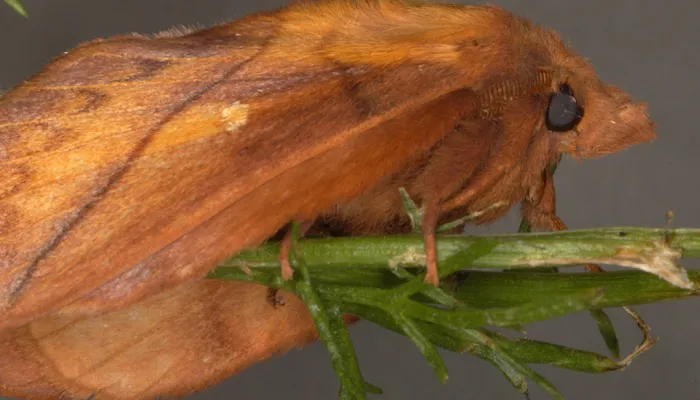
[132,165]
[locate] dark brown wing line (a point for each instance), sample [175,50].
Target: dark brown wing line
[116,176]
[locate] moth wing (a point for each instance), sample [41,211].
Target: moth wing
[132,164]
[170,344]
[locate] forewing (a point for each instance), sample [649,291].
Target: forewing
[133,164]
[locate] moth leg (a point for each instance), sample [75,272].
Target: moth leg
[285,247]
[431,214]
[540,213]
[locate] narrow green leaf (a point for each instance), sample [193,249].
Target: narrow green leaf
[505,358]
[607,331]
[336,340]
[470,217]
[530,351]
[542,381]
[18,7]
[503,363]
[414,213]
[413,332]
[484,348]
[371,389]
[332,331]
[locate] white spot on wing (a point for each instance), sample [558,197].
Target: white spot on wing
[234,116]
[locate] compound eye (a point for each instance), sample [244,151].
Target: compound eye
[563,112]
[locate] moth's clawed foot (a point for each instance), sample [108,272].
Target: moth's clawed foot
[431,276]
[286,269]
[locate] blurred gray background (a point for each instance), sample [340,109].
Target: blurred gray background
[648,48]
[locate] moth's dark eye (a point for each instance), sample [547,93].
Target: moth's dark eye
[563,112]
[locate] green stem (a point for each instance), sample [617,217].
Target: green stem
[500,251]
[377,279]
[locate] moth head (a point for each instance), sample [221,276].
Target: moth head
[592,119]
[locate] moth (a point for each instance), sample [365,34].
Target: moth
[132,165]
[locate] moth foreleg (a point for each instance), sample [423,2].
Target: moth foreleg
[540,213]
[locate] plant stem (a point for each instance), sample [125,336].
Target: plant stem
[634,247]
[378,279]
